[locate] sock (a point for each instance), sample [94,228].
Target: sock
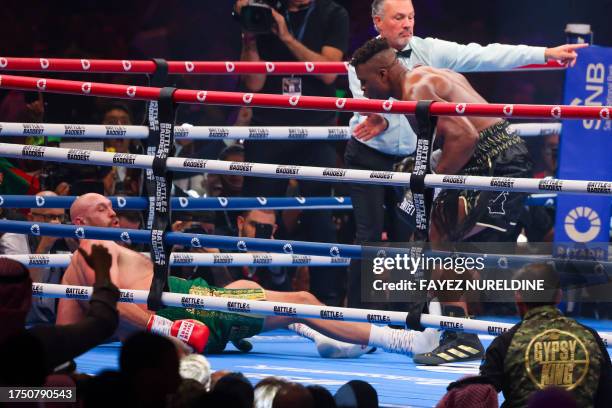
[326,346]
[312,334]
[407,342]
[428,339]
[304,331]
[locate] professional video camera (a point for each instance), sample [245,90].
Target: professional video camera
[256,17]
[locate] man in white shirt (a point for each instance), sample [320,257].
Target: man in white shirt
[43,310]
[380,141]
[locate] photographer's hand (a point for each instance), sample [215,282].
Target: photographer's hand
[36,109]
[239,5]
[62,189]
[301,51]
[280,27]
[249,52]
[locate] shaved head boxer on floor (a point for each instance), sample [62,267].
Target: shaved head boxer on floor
[210,331]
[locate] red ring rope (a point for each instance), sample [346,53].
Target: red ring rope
[304,102]
[195,67]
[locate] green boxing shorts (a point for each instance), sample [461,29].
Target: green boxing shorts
[224,327]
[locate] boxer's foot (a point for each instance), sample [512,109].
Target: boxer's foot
[328,347]
[454,348]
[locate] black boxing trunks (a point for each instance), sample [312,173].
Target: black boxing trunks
[499,153]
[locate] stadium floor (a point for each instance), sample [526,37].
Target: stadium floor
[399,382]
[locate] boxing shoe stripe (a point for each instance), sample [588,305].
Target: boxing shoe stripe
[469,349]
[457,353]
[445,356]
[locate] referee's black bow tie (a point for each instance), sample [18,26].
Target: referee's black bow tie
[404,53]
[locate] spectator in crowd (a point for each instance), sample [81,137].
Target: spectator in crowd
[552,397]
[28,356]
[130,219]
[150,367]
[548,349]
[199,222]
[104,390]
[356,393]
[188,394]
[239,386]
[322,397]
[226,185]
[197,368]
[121,180]
[43,309]
[266,390]
[117,114]
[293,395]
[302,30]
[198,149]
[472,391]
[250,224]
[14,180]
[262,224]
[538,221]
[549,156]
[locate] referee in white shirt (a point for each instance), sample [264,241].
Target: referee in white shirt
[380,141]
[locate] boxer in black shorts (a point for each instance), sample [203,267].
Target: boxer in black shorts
[487,216]
[469,146]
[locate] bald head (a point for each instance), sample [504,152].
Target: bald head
[94,210]
[41,214]
[46,193]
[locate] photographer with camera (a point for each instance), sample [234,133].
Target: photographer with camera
[295,30]
[199,222]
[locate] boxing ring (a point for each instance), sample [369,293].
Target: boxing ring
[397,379]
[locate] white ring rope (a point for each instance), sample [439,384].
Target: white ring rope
[198,259]
[527,185]
[265,308]
[218,132]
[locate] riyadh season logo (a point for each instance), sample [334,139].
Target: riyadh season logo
[79,232]
[35,229]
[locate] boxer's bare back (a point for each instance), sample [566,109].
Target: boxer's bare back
[129,269]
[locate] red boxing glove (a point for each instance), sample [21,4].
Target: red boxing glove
[192,332]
